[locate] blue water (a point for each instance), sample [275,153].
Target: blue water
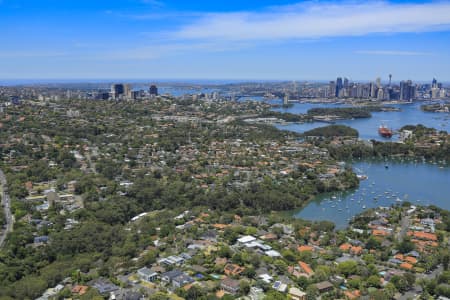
[417,182]
[410,114]
[413,181]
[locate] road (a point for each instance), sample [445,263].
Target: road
[405,223]
[6,202]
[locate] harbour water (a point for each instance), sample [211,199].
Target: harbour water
[388,183]
[409,114]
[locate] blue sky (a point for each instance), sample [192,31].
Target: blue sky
[263,39]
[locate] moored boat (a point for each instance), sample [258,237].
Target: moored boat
[385,131]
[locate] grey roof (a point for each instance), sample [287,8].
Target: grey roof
[183,279]
[127,295]
[230,282]
[324,285]
[395,261]
[146,271]
[172,274]
[413,253]
[104,286]
[41,239]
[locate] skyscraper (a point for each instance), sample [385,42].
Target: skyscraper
[332,87]
[346,83]
[127,91]
[153,90]
[378,82]
[117,90]
[339,86]
[434,83]
[373,90]
[407,90]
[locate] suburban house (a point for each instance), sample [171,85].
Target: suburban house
[147,275]
[169,276]
[182,280]
[324,286]
[232,269]
[230,285]
[296,294]
[306,269]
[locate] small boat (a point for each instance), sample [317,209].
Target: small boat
[398,199]
[364,206]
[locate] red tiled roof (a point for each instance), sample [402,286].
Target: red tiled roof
[306,268]
[305,248]
[406,265]
[423,235]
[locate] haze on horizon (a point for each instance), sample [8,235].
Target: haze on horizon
[255,40]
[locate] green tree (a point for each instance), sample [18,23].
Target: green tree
[406,245]
[348,267]
[244,287]
[274,295]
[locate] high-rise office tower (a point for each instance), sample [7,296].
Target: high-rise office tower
[127,91]
[332,87]
[380,94]
[434,83]
[339,85]
[117,90]
[153,90]
[403,90]
[373,90]
[407,90]
[378,82]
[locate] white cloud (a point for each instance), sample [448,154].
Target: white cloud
[159,50]
[316,20]
[393,53]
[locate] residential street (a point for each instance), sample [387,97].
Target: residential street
[6,204]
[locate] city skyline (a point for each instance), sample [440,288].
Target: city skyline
[263,40]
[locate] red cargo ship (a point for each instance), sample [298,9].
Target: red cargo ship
[385,132]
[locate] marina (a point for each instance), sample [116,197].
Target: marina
[401,182]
